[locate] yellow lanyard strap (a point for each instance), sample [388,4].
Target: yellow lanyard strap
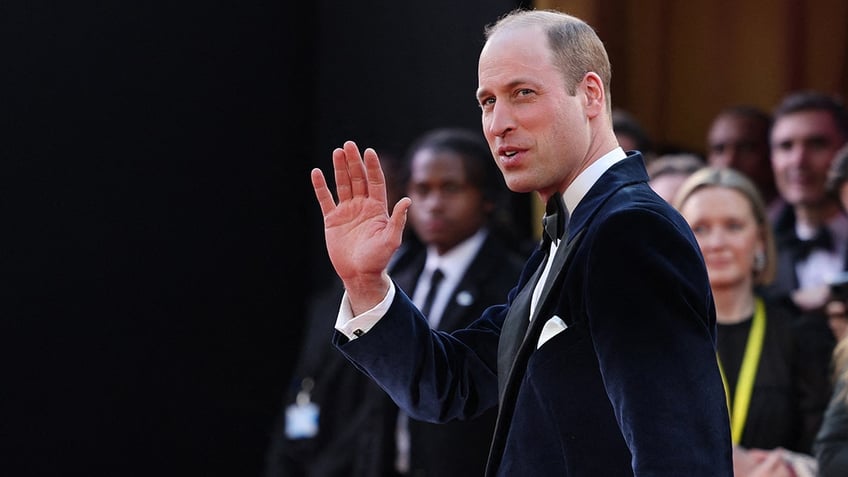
[738,408]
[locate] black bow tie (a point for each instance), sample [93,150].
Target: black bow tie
[822,240]
[556,216]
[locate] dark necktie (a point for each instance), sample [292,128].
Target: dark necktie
[555,218]
[822,240]
[435,280]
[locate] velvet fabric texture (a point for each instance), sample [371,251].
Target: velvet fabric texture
[631,387]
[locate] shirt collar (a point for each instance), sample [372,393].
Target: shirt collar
[455,260]
[581,185]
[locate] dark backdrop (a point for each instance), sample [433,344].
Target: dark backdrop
[387,72]
[160,231]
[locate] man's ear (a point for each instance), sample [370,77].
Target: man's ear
[593,89]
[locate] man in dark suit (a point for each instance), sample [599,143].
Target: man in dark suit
[454,228]
[811,229]
[602,362]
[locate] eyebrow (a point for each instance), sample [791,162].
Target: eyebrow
[509,86]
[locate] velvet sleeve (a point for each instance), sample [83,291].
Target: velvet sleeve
[652,321]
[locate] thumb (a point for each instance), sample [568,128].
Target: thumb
[398,219]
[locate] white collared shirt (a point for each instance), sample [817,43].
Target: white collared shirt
[822,266]
[453,265]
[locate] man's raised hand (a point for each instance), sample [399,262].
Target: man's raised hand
[361,236]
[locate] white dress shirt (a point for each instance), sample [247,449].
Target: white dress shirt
[822,266]
[453,265]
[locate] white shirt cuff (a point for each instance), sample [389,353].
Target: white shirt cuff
[355,326]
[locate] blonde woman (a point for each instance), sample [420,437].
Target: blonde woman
[776,389]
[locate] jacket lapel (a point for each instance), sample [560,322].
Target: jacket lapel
[514,329]
[406,274]
[468,292]
[557,269]
[516,345]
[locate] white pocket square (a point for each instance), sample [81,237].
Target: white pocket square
[552,327]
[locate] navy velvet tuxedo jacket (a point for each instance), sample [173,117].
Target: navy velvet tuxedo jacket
[631,387]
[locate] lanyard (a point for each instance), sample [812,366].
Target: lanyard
[745,383]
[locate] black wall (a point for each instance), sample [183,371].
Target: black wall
[160,231]
[388,71]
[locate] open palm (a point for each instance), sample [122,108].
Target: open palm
[361,236]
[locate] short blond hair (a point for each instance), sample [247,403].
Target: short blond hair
[728,178]
[575,46]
